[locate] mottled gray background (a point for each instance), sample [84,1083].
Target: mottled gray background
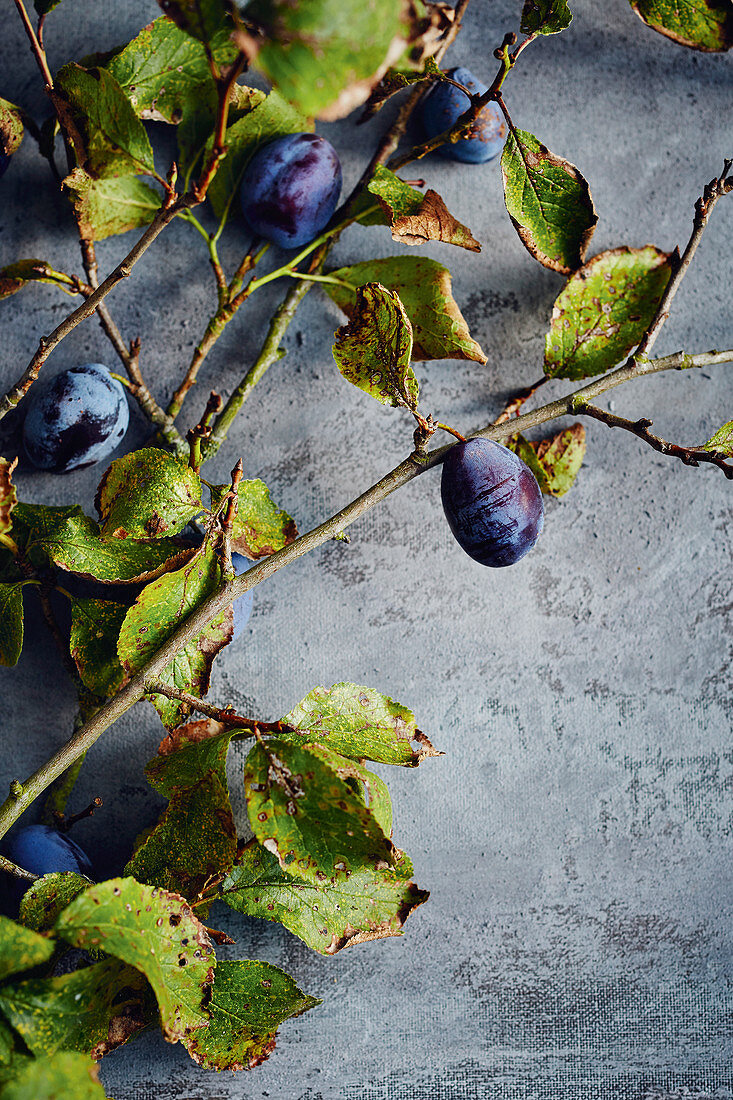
[575,837]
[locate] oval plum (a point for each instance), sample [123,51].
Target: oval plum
[445,104]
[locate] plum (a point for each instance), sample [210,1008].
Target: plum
[242,606]
[290,189]
[492,502]
[42,850]
[445,104]
[75,419]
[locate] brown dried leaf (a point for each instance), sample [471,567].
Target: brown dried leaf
[433,222]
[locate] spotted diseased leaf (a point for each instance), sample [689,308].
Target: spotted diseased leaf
[604,309]
[90,1011]
[700,24]
[204,19]
[373,351]
[424,287]
[370,787]
[548,201]
[63,1076]
[368,905]
[260,527]
[113,137]
[156,932]
[8,495]
[147,494]
[545,16]
[11,128]
[555,461]
[11,623]
[303,812]
[47,897]
[21,948]
[95,628]
[394,80]
[106,207]
[358,722]
[249,1002]
[188,754]
[158,611]
[325,57]
[17,275]
[413,217]
[722,442]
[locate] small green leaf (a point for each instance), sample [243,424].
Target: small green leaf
[11,623]
[115,141]
[260,527]
[424,288]
[188,754]
[249,1002]
[722,441]
[91,1011]
[106,207]
[700,24]
[359,723]
[21,948]
[95,628]
[158,934]
[555,461]
[43,7]
[548,201]
[11,128]
[545,16]
[203,19]
[17,275]
[63,1076]
[413,217]
[368,905]
[147,494]
[373,350]
[604,309]
[47,897]
[156,614]
[303,812]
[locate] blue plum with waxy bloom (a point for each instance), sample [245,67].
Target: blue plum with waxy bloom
[492,502]
[445,104]
[290,189]
[242,606]
[43,850]
[75,419]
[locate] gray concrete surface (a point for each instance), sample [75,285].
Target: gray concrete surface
[576,836]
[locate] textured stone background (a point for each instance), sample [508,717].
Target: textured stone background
[575,836]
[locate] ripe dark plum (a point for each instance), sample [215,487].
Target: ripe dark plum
[42,850]
[242,606]
[75,419]
[492,501]
[445,104]
[290,189]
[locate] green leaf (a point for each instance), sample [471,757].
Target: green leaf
[548,201]
[424,286]
[164,72]
[158,934]
[700,24]
[358,722]
[604,309]
[371,787]
[115,141]
[545,16]
[413,217]
[11,623]
[268,117]
[91,1011]
[327,56]
[188,754]
[249,1002]
[43,7]
[156,614]
[106,207]
[368,905]
[147,494]
[95,628]
[555,461]
[204,19]
[7,1048]
[303,812]
[47,897]
[17,275]
[260,527]
[72,541]
[8,495]
[64,1076]
[11,128]
[21,948]
[394,80]
[722,441]
[373,350]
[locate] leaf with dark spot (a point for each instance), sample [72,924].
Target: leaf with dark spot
[11,623]
[260,528]
[106,207]
[21,948]
[147,494]
[545,16]
[11,128]
[47,897]
[373,351]
[555,461]
[95,628]
[700,24]
[413,217]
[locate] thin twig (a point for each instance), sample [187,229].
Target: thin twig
[513,406]
[227,716]
[227,522]
[11,868]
